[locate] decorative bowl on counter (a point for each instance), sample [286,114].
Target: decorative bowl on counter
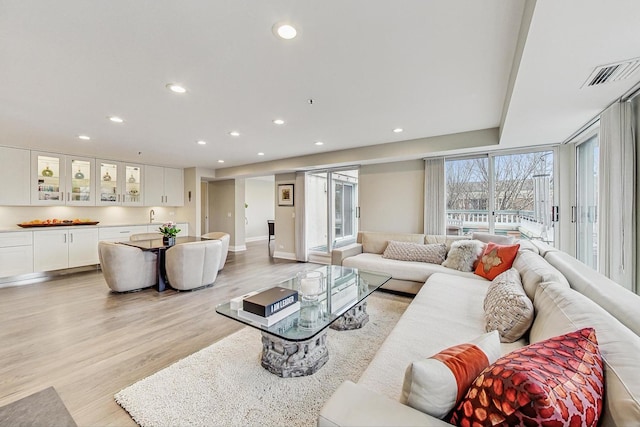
[56,222]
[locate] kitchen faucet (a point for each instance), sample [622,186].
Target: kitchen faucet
[151,215]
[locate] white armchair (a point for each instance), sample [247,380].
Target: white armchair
[193,265]
[126,268]
[224,238]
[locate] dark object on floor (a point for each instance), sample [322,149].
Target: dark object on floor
[272,229]
[43,408]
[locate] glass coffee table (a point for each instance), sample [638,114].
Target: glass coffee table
[296,345]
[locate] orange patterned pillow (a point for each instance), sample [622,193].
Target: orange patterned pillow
[555,382]
[496,259]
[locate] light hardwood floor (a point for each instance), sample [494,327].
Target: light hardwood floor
[74,334]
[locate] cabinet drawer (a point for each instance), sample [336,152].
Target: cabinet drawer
[16,238]
[120,233]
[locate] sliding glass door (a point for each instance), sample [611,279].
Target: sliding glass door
[510,194]
[585,213]
[332,199]
[467,186]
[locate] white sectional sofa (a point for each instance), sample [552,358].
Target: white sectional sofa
[448,310]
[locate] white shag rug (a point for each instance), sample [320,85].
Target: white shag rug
[225,385]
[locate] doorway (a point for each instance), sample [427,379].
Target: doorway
[332,200]
[204,207]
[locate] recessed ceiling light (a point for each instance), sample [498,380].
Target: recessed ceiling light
[234,133]
[319,143]
[176,88]
[220,161]
[84,137]
[261,154]
[398,130]
[285,31]
[201,142]
[278,121]
[116,119]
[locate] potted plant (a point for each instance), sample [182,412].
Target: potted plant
[169,233]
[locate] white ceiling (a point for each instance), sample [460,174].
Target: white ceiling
[431,67]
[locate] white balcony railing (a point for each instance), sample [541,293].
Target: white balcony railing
[517,223]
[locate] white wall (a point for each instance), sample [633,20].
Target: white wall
[259,195]
[391,197]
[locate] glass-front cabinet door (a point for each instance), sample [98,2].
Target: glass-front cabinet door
[108,176]
[133,186]
[80,188]
[47,183]
[119,183]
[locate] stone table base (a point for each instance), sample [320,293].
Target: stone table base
[294,359]
[354,318]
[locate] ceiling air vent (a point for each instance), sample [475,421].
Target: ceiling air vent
[612,72]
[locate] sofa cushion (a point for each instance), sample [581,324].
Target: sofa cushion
[493,238]
[560,310]
[463,255]
[496,259]
[441,238]
[401,270]
[407,251]
[558,381]
[376,242]
[507,309]
[620,302]
[534,270]
[526,245]
[434,385]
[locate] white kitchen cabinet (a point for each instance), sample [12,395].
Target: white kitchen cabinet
[57,179]
[121,234]
[83,246]
[16,253]
[119,183]
[163,186]
[15,175]
[64,248]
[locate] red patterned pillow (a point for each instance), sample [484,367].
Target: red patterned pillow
[556,382]
[496,259]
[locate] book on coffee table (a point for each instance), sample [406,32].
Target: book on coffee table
[274,318]
[270,301]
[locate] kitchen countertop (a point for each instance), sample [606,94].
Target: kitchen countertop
[15,228]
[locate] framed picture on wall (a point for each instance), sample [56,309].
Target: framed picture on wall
[285,195]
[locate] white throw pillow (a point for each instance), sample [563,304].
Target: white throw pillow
[407,251]
[436,384]
[507,308]
[464,254]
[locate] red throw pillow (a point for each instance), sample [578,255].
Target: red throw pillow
[556,382]
[496,259]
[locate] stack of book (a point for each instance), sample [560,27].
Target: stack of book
[270,306]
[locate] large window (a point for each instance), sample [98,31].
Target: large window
[509,194]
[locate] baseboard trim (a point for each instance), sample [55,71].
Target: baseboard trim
[43,276]
[238,248]
[285,255]
[255,239]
